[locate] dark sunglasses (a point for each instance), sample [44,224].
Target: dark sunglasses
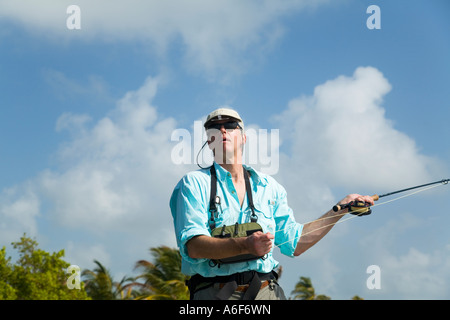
[231,125]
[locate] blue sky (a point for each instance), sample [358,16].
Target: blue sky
[87,118]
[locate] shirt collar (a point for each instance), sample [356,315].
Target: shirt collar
[254,175]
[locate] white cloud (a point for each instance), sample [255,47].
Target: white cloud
[117,172]
[215,34]
[416,274]
[113,179]
[19,209]
[407,271]
[84,256]
[341,136]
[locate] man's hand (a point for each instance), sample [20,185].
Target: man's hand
[356,197]
[259,243]
[208,247]
[314,231]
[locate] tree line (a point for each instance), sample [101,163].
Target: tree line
[40,275]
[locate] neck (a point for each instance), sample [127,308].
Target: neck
[236,170]
[233,165]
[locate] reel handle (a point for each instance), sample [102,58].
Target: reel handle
[339,207]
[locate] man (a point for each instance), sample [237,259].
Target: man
[208,204]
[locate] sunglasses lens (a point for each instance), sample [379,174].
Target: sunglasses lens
[230,125]
[227,125]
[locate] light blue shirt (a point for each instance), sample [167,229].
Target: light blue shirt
[189,204]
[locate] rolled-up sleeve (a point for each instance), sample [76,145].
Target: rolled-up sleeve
[288,231]
[189,214]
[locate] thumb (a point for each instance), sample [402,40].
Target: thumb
[270,236]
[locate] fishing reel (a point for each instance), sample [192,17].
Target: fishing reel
[361,208]
[358,208]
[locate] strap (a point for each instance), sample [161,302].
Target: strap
[250,294]
[248,188]
[212,198]
[231,282]
[227,290]
[253,288]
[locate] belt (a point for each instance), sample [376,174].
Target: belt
[249,282]
[243,288]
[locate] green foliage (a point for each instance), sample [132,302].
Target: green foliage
[158,280]
[100,285]
[163,279]
[37,275]
[7,292]
[305,291]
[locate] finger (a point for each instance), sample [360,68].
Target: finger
[368,199]
[361,198]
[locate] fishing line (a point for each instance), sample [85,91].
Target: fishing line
[430,186]
[375,205]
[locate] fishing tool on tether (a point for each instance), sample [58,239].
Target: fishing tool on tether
[361,208]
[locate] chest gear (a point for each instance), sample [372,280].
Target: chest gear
[233,231]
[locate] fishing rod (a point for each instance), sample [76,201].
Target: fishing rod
[361,208]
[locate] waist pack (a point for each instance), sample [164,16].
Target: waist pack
[233,231]
[236,231]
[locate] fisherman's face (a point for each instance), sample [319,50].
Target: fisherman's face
[226,139]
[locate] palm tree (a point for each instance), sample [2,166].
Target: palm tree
[99,284]
[163,279]
[305,291]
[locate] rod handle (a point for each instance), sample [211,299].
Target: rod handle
[338,207]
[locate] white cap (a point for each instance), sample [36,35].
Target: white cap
[223,114]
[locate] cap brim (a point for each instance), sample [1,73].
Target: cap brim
[222,118]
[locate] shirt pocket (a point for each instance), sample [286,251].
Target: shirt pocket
[264,212]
